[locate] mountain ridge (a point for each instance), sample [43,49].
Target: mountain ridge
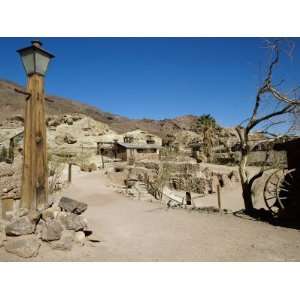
[13,103]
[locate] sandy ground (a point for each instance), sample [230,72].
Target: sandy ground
[132,230]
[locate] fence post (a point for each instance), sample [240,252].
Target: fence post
[70,173]
[219,197]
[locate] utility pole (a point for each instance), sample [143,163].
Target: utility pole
[35,164]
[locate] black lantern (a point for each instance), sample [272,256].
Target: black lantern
[35,59]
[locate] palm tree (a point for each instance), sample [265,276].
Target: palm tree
[207,125]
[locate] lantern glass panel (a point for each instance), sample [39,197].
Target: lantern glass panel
[28,61]
[41,63]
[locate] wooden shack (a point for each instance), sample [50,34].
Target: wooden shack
[133,152]
[292,149]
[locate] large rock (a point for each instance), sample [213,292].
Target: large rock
[71,205]
[59,140]
[73,222]
[2,239]
[50,213]
[70,139]
[51,231]
[66,241]
[3,224]
[23,246]
[68,120]
[79,238]
[21,226]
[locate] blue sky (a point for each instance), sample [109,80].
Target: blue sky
[155,77]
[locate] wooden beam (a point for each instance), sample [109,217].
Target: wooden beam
[35,164]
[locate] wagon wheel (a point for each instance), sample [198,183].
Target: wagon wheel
[278,189]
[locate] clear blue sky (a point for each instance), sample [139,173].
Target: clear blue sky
[155,77]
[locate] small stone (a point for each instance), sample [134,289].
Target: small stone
[66,241]
[71,205]
[73,222]
[25,247]
[51,231]
[79,237]
[21,226]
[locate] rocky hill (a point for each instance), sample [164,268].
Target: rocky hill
[12,109]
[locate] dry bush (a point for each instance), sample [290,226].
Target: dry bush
[161,179]
[56,165]
[82,159]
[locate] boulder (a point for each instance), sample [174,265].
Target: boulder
[3,224]
[68,120]
[73,222]
[71,205]
[50,213]
[34,216]
[66,241]
[53,121]
[39,228]
[79,238]
[69,139]
[21,226]
[59,140]
[22,212]
[2,239]
[25,247]
[51,231]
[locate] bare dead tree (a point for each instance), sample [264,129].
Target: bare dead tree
[285,105]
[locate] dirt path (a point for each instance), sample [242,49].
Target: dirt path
[132,230]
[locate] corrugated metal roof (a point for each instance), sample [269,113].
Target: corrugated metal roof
[139,146]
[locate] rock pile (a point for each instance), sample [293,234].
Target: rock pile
[54,121]
[59,226]
[10,179]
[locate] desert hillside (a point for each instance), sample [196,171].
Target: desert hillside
[12,107]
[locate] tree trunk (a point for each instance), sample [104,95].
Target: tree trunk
[246,186]
[247,197]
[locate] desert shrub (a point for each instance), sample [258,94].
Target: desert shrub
[56,165]
[82,159]
[161,180]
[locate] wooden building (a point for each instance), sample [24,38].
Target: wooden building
[132,152]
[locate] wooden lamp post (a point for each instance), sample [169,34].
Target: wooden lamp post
[35,165]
